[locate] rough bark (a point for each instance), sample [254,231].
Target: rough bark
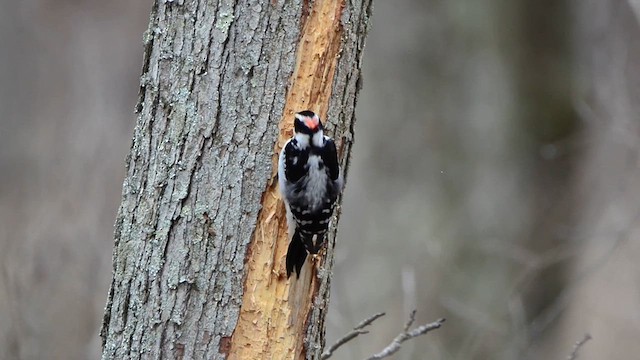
[200,237]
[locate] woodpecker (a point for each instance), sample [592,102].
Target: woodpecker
[310,181]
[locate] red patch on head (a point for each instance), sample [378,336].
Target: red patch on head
[312,123]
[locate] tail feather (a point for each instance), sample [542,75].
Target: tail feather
[296,255]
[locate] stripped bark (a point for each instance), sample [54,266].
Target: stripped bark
[200,237]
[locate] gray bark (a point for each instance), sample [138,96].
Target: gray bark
[213,90]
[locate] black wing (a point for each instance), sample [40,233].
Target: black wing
[330,158]
[295,161]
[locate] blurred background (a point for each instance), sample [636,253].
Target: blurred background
[495,179]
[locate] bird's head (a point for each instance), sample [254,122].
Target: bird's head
[307,122]
[308,128]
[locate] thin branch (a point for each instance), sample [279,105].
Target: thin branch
[358,330]
[394,346]
[577,346]
[412,318]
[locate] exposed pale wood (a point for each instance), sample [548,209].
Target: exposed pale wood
[199,242]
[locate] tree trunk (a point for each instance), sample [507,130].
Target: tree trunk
[200,237]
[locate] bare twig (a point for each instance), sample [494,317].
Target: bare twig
[358,330]
[577,346]
[406,335]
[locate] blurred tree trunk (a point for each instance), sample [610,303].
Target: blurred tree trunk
[200,237]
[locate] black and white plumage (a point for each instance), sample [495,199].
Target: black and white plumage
[310,182]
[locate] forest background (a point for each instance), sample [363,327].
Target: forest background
[495,177]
